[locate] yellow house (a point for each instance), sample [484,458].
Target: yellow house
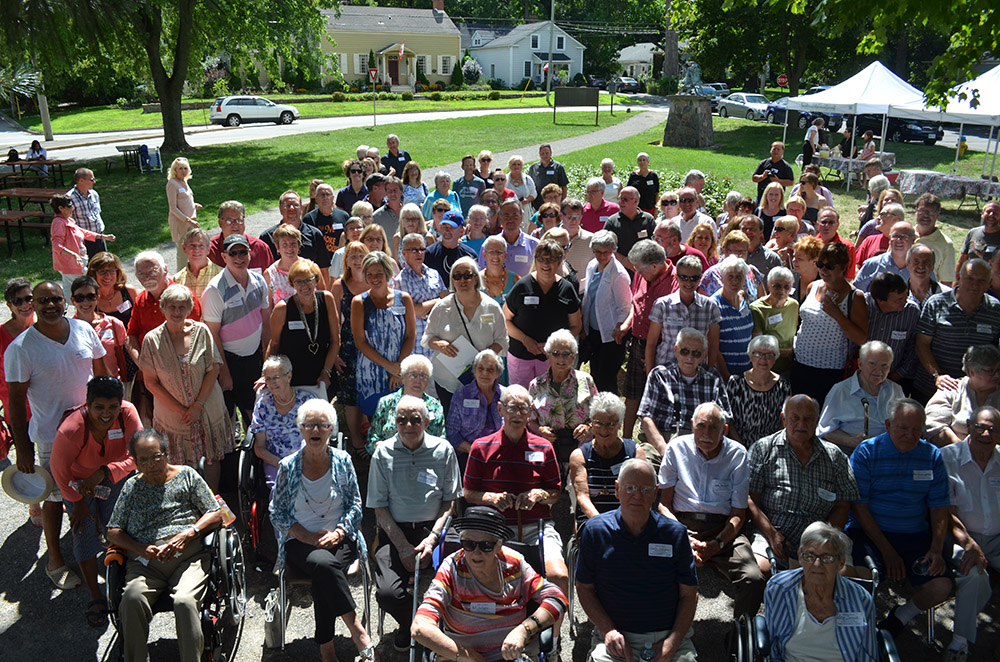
[405,42]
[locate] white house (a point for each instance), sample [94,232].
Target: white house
[514,54]
[637,60]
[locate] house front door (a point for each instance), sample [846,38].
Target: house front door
[394,70]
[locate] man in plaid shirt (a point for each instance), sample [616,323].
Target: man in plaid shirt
[87,208]
[675,390]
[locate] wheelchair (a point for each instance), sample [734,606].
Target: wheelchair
[224,607]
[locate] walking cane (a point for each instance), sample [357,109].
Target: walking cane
[416,593]
[864,403]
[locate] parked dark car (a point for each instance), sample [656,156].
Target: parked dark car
[900,130]
[596,81]
[776,110]
[624,84]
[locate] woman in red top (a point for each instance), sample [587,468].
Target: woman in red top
[109,329]
[90,462]
[69,256]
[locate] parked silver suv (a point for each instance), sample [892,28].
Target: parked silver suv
[236,110]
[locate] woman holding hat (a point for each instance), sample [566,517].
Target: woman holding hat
[496,583]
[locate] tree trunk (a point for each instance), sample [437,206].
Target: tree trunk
[169,87]
[671,62]
[901,54]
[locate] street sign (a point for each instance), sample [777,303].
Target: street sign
[783,80]
[373,74]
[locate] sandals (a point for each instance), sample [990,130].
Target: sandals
[35,514]
[97,618]
[64,578]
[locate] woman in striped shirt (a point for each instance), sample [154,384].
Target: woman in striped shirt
[477,606]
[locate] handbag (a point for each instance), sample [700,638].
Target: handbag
[467,376]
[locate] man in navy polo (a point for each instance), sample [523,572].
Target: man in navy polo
[631,558]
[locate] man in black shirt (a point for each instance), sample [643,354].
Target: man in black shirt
[630,224]
[327,218]
[442,254]
[773,169]
[313,242]
[395,159]
[547,171]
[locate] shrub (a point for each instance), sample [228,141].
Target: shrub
[436,96]
[339,97]
[422,79]
[407,96]
[471,70]
[526,83]
[494,95]
[579,80]
[496,84]
[457,77]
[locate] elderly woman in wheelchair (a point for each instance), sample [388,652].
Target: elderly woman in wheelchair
[159,520]
[480,596]
[316,509]
[814,612]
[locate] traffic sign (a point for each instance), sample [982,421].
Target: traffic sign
[373,74]
[783,80]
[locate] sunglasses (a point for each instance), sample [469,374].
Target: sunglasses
[563,355]
[22,300]
[548,260]
[826,265]
[463,276]
[317,426]
[689,279]
[668,203]
[485,546]
[416,250]
[80,298]
[47,300]
[696,353]
[356,172]
[550,215]
[688,201]
[808,558]
[238,253]
[402,421]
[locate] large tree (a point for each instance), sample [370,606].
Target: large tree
[163,37]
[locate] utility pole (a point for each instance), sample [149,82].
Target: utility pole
[552,29]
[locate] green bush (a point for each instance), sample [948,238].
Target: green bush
[339,97]
[496,84]
[407,96]
[579,80]
[526,82]
[494,95]
[436,96]
[458,77]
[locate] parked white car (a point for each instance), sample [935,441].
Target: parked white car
[741,104]
[236,110]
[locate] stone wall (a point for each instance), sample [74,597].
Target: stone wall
[689,123]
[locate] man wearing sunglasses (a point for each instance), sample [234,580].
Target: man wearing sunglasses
[516,472]
[413,483]
[47,368]
[232,220]
[631,558]
[688,215]
[675,390]
[630,224]
[236,305]
[704,483]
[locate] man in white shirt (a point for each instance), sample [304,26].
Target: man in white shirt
[689,215]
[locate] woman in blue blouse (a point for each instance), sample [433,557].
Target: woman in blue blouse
[273,425]
[473,412]
[316,509]
[815,613]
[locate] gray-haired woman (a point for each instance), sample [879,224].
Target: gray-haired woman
[756,396]
[736,325]
[273,426]
[948,411]
[473,413]
[442,189]
[777,314]
[607,301]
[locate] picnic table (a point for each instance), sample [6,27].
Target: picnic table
[130,153]
[56,168]
[25,196]
[945,185]
[888,160]
[21,218]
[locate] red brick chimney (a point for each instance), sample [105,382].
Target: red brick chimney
[438,5]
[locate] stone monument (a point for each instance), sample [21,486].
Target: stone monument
[689,123]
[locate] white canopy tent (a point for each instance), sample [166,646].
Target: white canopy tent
[870,91]
[960,111]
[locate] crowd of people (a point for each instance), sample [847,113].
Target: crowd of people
[753,393]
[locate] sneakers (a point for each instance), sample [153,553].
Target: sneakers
[955,656]
[891,624]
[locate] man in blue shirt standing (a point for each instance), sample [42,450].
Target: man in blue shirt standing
[631,558]
[900,477]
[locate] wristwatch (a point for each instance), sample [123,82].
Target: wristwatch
[197,531]
[719,541]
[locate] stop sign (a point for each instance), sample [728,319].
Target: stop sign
[782,80]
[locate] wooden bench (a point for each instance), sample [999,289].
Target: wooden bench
[7,218]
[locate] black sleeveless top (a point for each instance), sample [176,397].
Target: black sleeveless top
[122,316]
[601,476]
[307,358]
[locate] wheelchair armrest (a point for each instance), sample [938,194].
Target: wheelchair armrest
[209,538]
[546,640]
[761,638]
[887,647]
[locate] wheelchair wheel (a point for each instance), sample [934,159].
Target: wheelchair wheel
[233,576]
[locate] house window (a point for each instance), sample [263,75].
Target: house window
[422,65]
[361,64]
[476,41]
[342,62]
[445,65]
[560,43]
[534,41]
[527,68]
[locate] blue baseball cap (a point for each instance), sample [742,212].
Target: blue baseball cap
[454,218]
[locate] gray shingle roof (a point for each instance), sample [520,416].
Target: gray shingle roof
[488,31]
[356,18]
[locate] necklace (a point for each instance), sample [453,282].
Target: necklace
[286,402]
[322,507]
[312,334]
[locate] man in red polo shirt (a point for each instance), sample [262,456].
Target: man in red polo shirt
[597,210]
[517,473]
[232,220]
[827,224]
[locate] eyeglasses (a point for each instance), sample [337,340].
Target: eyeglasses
[485,546]
[417,375]
[826,222]
[550,215]
[901,237]
[562,355]
[763,355]
[302,282]
[548,260]
[808,558]
[80,298]
[20,301]
[689,279]
[143,275]
[485,160]
[233,221]
[601,424]
[150,459]
[778,229]
[687,201]
[496,253]
[463,276]
[982,427]
[317,426]
[696,353]
[276,378]
[416,250]
[356,172]
[826,265]
[668,203]
[516,409]
[290,205]
[645,490]
[47,300]
[107,272]
[242,253]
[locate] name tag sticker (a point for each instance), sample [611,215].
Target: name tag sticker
[615,468]
[550,172]
[123,306]
[338,226]
[470,403]
[401,159]
[256,270]
[650,182]
[182,190]
[826,495]
[604,219]
[984,328]
[234,303]
[521,258]
[535,457]
[899,335]
[994,482]
[643,234]
[483,607]
[487,318]
[531,301]
[115,434]
[427,478]
[720,486]
[923,474]
[296,325]
[107,334]
[661,550]
[775,318]
[850,619]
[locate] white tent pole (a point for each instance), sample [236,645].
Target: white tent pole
[885,124]
[994,165]
[784,129]
[988,141]
[854,130]
[958,146]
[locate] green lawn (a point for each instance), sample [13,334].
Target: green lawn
[256,173]
[105,118]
